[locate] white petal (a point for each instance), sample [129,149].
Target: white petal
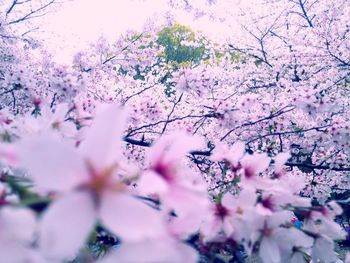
[335,208]
[263,210]
[129,218]
[61,111]
[34,256]
[66,225]
[52,164]
[102,144]
[7,154]
[183,226]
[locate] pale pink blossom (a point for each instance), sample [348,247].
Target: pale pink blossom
[252,166]
[153,251]
[17,229]
[177,188]
[89,187]
[271,234]
[280,159]
[230,154]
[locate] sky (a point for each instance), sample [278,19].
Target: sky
[76,24]
[79,22]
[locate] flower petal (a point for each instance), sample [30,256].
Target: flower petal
[12,251]
[52,164]
[269,251]
[236,152]
[153,251]
[102,145]
[17,223]
[129,218]
[257,162]
[152,183]
[170,149]
[66,225]
[280,160]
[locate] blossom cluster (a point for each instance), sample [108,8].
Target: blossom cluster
[85,181]
[130,155]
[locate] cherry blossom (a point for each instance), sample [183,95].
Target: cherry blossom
[213,154]
[90,187]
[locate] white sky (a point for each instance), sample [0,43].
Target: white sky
[80,22]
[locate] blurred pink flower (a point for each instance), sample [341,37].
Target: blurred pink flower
[90,187]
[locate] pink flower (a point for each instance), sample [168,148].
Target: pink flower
[293,245]
[218,223]
[90,187]
[232,155]
[176,186]
[243,214]
[321,224]
[252,166]
[272,235]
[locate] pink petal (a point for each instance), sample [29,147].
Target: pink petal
[151,183]
[66,225]
[52,164]
[17,223]
[102,144]
[280,160]
[247,197]
[171,148]
[229,201]
[186,202]
[257,162]
[153,251]
[12,251]
[236,152]
[279,218]
[129,218]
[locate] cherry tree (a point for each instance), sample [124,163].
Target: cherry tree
[166,146]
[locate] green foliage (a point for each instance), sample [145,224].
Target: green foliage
[171,39]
